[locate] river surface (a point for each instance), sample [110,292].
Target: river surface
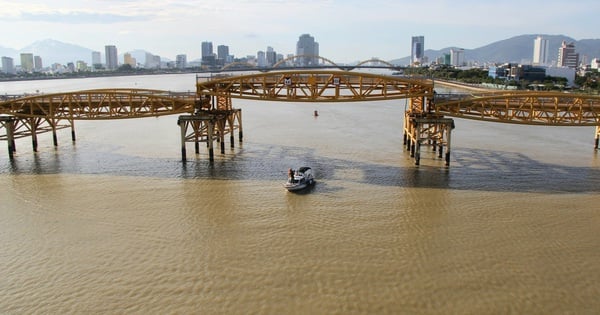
[116,223]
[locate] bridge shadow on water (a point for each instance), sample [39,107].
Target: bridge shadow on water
[471,169]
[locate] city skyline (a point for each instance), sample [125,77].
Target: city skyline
[351,30]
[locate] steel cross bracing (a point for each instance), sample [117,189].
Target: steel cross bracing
[532,108]
[100,104]
[315,86]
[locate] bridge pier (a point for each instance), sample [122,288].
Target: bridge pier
[430,130]
[597,138]
[8,122]
[209,126]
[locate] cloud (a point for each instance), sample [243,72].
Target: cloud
[80,17]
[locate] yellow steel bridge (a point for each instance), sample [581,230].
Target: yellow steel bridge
[208,114]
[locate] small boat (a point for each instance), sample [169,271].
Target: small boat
[299,179]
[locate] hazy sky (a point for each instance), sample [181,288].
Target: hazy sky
[347,30]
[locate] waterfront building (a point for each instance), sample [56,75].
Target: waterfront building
[563,72]
[110,51]
[271,56]
[208,55]
[261,59]
[567,57]
[8,65]
[96,60]
[26,62]
[595,63]
[152,61]
[457,57]
[128,59]
[309,49]
[417,50]
[181,61]
[81,65]
[540,51]
[37,63]
[223,52]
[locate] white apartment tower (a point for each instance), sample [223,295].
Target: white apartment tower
[540,51]
[8,65]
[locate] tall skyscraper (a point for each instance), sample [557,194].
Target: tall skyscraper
[112,63]
[96,60]
[26,62]
[271,56]
[208,56]
[309,49]
[8,65]
[222,52]
[37,63]
[540,51]
[567,57]
[417,49]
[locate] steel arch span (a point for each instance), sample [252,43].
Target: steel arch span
[100,104]
[531,108]
[317,86]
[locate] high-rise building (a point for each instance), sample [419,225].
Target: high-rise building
[152,61]
[567,57]
[417,49]
[37,63]
[181,61]
[8,65]
[457,57]
[112,63]
[222,52]
[26,62]
[308,49]
[129,60]
[540,51]
[207,49]
[208,56]
[96,60]
[271,56]
[261,59]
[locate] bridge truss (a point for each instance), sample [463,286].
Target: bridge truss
[208,114]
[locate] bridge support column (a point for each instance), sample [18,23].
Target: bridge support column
[210,130]
[9,124]
[183,126]
[597,137]
[33,124]
[448,141]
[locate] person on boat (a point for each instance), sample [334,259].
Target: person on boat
[291,175]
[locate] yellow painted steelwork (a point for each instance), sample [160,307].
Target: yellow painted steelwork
[100,104]
[532,108]
[315,86]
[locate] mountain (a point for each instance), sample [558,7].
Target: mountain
[8,52]
[53,51]
[518,49]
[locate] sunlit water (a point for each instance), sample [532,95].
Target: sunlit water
[117,223]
